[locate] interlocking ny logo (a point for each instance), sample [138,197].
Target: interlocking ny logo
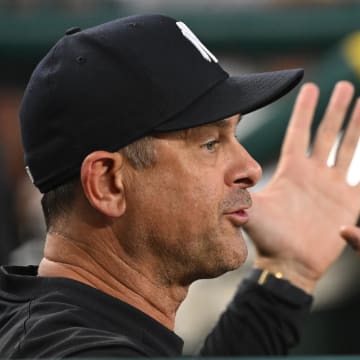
[204,51]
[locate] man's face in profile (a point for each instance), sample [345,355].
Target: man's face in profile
[188,208]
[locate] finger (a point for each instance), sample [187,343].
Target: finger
[350,140]
[298,132]
[351,235]
[334,116]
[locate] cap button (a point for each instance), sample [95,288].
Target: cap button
[72,30]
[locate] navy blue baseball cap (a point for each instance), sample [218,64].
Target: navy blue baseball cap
[104,87]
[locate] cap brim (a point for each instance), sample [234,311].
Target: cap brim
[235,95]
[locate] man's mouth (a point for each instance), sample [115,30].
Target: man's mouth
[239,217]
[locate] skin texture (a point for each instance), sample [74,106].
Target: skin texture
[197,182]
[144,235]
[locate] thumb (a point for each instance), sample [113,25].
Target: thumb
[254,211]
[351,234]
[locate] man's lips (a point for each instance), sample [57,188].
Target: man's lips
[235,207]
[239,217]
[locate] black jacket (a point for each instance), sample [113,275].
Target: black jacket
[59,318]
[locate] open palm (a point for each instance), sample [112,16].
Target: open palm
[295,220]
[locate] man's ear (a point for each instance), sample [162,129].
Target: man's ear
[102,178]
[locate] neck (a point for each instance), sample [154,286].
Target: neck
[106,267]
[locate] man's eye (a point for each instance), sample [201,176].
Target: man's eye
[211,145]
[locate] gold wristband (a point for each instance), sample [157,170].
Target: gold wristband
[275,283]
[264,275]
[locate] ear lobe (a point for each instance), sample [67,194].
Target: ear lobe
[102,181]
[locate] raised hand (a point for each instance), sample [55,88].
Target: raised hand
[295,221]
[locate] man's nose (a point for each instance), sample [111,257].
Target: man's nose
[247,170]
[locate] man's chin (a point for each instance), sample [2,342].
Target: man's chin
[236,251]
[216,259]
[237,259]
[231,260]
